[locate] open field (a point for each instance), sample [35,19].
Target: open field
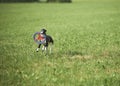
[86,50]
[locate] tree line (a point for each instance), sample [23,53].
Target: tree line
[36,1]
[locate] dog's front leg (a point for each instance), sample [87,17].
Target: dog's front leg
[38,48]
[43,48]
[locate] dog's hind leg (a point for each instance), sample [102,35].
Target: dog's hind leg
[46,50]
[51,46]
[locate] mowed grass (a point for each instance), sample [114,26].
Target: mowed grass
[86,49]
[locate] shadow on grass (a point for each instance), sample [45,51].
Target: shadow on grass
[70,55]
[73,53]
[65,54]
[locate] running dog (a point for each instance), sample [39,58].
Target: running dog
[46,41]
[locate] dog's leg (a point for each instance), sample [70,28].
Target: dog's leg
[51,46]
[43,48]
[38,48]
[46,50]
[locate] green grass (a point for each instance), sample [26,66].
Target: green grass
[86,50]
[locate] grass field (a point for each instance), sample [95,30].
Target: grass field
[86,50]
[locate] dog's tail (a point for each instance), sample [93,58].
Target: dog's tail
[52,41]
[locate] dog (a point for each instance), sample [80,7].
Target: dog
[46,41]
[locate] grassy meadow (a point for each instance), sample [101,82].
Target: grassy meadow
[86,49]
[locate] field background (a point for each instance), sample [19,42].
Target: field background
[86,49]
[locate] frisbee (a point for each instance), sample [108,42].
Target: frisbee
[36,37]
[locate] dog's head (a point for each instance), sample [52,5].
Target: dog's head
[43,31]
